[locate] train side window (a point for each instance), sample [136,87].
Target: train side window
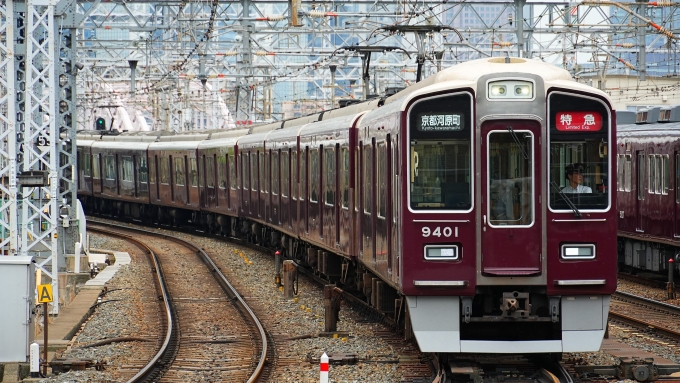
[294,178]
[677,177]
[95,166]
[87,166]
[657,179]
[232,172]
[368,178]
[303,174]
[619,172]
[664,174]
[628,173]
[179,171]
[275,172]
[344,162]
[254,177]
[128,173]
[193,172]
[641,166]
[143,174]
[651,182]
[243,170]
[329,169]
[285,173]
[264,170]
[314,175]
[382,180]
[222,172]
[165,171]
[210,171]
[110,167]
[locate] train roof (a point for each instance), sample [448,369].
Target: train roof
[174,145]
[120,145]
[468,73]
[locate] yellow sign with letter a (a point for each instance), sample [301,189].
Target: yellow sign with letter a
[44,293]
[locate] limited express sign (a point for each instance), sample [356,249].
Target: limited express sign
[432,122]
[578,121]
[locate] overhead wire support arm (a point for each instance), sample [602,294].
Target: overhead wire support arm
[365,52]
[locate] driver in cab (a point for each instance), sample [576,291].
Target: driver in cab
[575,177]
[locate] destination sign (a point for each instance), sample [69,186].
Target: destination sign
[433,122]
[578,121]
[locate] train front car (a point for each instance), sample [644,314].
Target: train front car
[508,231]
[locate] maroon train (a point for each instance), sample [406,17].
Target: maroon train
[648,157]
[443,204]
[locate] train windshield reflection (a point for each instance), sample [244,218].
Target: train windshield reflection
[440,175]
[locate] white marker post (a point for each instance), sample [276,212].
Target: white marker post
[324,369]
[35,360]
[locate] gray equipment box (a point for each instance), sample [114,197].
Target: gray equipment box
[17,300]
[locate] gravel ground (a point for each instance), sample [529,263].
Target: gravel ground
[300,318]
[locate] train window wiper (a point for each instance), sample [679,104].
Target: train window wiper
[566,199]
[517,141]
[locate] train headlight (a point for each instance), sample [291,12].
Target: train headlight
[511,90]
[578,251]
[497,90]
[441,253]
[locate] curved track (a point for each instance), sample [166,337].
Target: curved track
[179,352]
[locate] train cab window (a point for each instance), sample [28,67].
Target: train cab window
[578,148]
[143,174]
[232,173]
[439,154]
[193,172]
[285,173]
[511,178]
[314,175]
[109,168]
[222,172]
[165,171]
[329,180]
[344,163]
[382,180]
[179,171]
[294,174]
[275,172]
[127,169]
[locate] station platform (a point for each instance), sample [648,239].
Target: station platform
[62,328]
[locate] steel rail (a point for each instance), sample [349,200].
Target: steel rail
[221,279]
[150,370]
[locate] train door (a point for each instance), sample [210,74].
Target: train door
[368,191]
[382,221]
[329,193]
[511,175]
[677,195]
[284,207]
[245,183]
[345,213]
[640,187]
[313,211]
[264,200]
[294,191]
[304,217]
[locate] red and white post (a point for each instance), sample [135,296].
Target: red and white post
[324,368]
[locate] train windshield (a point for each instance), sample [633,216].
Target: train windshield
[579,161]
[440,175]
[439,153]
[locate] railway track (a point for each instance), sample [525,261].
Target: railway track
[209,332]
[647,314]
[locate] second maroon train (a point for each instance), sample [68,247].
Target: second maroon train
[447,205]
[648,163]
